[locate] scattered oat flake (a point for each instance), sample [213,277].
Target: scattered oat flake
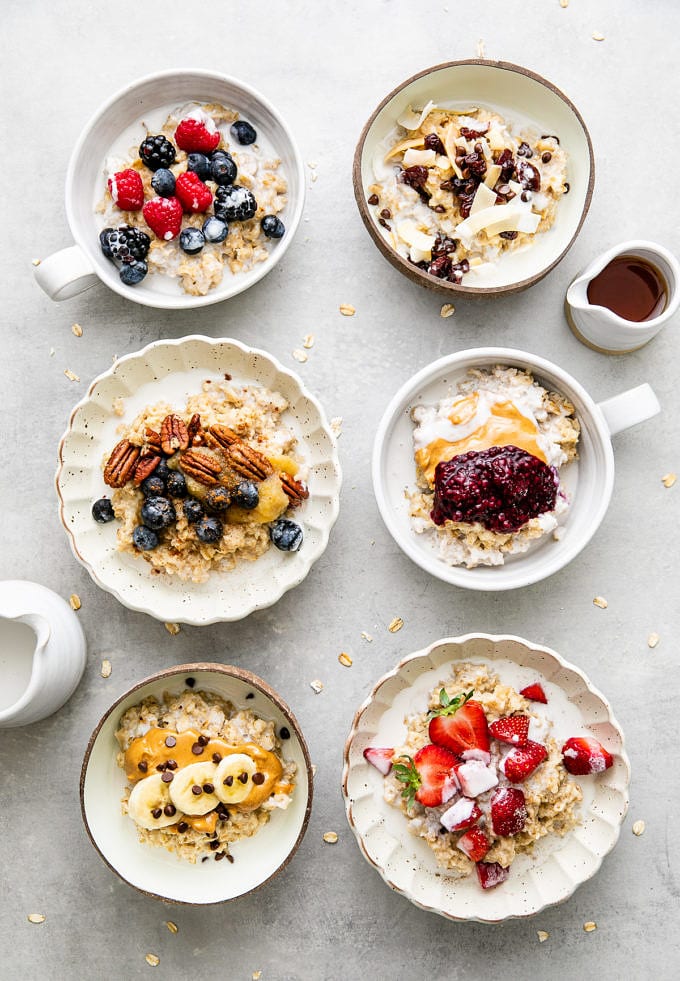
[308,341]
[330,837]
[152,960]
[106,668]
[653,640]
[71,375]
[638,828]
[299,355]
[590,926]
[596,36]
[316,686]
[347,310]
[314,177]
[564,4]
[447,310]
[36,917]
[366,637]
[74,600]
[256,975]
[336,425]
[345,660]
[314,769]
[77,330]
[542,936]
[172,628]
[118,405]
[396,625]
[172,927]
[601,602]
[481,48]
[52,352]
[669,479]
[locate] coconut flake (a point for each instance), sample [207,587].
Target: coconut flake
[419,158]
[412,120]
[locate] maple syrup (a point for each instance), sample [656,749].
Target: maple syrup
[630,287]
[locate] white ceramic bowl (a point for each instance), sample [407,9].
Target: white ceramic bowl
[170,371]
[558,865]
[155,871]
[79,267]
[517,94]
[589,481]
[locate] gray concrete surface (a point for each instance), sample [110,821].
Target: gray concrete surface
[330,916]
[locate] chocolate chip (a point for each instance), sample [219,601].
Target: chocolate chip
[170,741]
[526,196]
[156,813]
[230,858]
[190,682]
[182,827]
[546,157]
[171,765]
[203,740]
[160,767]
[381,221]
[168,777]
[214,845]
[258,778]
[208,788]
[197,749]
[228,781]
[217,757]
[284,732]
[170,810]
[243,777]
[143,766]
[509,235]
[439,208]
[567,187]
[205,858]
[218,857]
[251,694]
[385,213]
[224,816]
[196,790]
[374,199]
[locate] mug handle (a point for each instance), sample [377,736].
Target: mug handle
[65,274]
[629,408]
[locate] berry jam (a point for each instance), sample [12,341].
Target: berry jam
[502,488]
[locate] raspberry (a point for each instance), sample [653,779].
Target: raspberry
[164,217]
[127,190]
[193,136]
[193,193]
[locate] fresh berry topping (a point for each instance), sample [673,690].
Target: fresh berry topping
[234,203]
[126,243]
[491,874]
[513,729]
[127,190]
[102,511]
[246,495]
[380,758]
[429,778]
[508,811]
[460,725]
[286,535]
[199,164]
[273,227]
[164,217]
[193,136]
[209,530]
[214,229]
[153,486]
[193,510]
[176,485]
[501,488]
[163,182]
[104,242]
[475,778]
[191,240]
[193,193]
[582,755]
[157,152]
[223,169]
[243,132]
[474,844]
[521,763]
[534,693]
[144,538]
[218,498]
[157,513]
[461,815]
[133,271]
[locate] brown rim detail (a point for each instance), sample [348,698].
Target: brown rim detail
[253,681]
[407,268]
[593,347]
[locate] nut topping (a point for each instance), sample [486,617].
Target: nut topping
[145,467]
[193,428]
[121,464]
[225,437]
[174,435]
[203,468]
[295,489]
[248,462]
[152,442]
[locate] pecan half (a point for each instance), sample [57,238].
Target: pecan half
[174,435]
[193,428]
[224,436]
[145,467]
[248,462]
[295,489]
[121,464]
[203,468]
[152,441]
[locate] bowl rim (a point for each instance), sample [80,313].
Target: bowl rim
[139,606]
[407,268]
[252,680]
[183,301]
[424,653]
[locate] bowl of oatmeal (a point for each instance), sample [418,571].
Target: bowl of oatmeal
[196,786]
[493,468]
[474,177]
[184,189]
[485,778]
[198,480]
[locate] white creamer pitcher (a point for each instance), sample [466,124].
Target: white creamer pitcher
[42,652]
[605,331]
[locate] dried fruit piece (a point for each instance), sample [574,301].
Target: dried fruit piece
[74,600]
[121,464]
[345,660]
[174,435]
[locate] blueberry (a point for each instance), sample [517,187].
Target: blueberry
[243,132]
[163,182]
[153,486]
[176,485]
[215,230]
[246,495]
[286,535]
[273,227]
[218,499]
[234,203]
[102,510]
[162,470]
[191,240]
[157,513]
[133,272]
[209,530]
[104,242]
[223,169]
[199,164]
[144,538]
[193,510]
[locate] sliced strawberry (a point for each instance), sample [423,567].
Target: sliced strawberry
[474,844]
[196,135]
[380,758]
[520,763]
[461,815]
[475,778]
[513,729]
[193,194]
[459,724]
[508,811]
[164,217]
[430,777]
[491,874]
[534,693]
[127,190]
[582,755]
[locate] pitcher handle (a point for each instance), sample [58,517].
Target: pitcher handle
[629,408]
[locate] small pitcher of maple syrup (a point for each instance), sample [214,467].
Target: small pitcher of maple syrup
[624,297]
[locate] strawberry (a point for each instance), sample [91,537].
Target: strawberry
[461,815]
[193,136]
[534,693]
[460,725]
[380,758]
[192,192]
[491,874]
[582,755]
[164,217]
[508,811]
[127,190]
[474,844]
[513,729]
[475,778]
[429,778]
[521,762]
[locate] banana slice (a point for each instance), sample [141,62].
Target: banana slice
[192,789]
[233,778]
[150,805]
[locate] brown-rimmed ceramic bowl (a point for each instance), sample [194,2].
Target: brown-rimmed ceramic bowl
[155,871]
[518,94]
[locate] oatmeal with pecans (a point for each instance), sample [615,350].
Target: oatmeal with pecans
[201,773]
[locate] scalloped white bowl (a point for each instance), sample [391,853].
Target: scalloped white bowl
[170,371]
[558,865]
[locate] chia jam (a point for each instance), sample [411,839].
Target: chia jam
[501,488]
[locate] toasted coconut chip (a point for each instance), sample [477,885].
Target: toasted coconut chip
[414,120]
[413,141]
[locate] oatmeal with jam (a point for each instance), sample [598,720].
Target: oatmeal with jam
[201,773]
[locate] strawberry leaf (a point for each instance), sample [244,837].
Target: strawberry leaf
[406,773]
[449,706]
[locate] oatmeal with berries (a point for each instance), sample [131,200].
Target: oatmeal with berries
[488,466]
[199,197]
[203,488]
[201,773]
[456,190]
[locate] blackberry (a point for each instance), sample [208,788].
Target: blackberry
[104,242]
[273,227]
[157,152]
[243,132]
[127,243]
[234,203]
